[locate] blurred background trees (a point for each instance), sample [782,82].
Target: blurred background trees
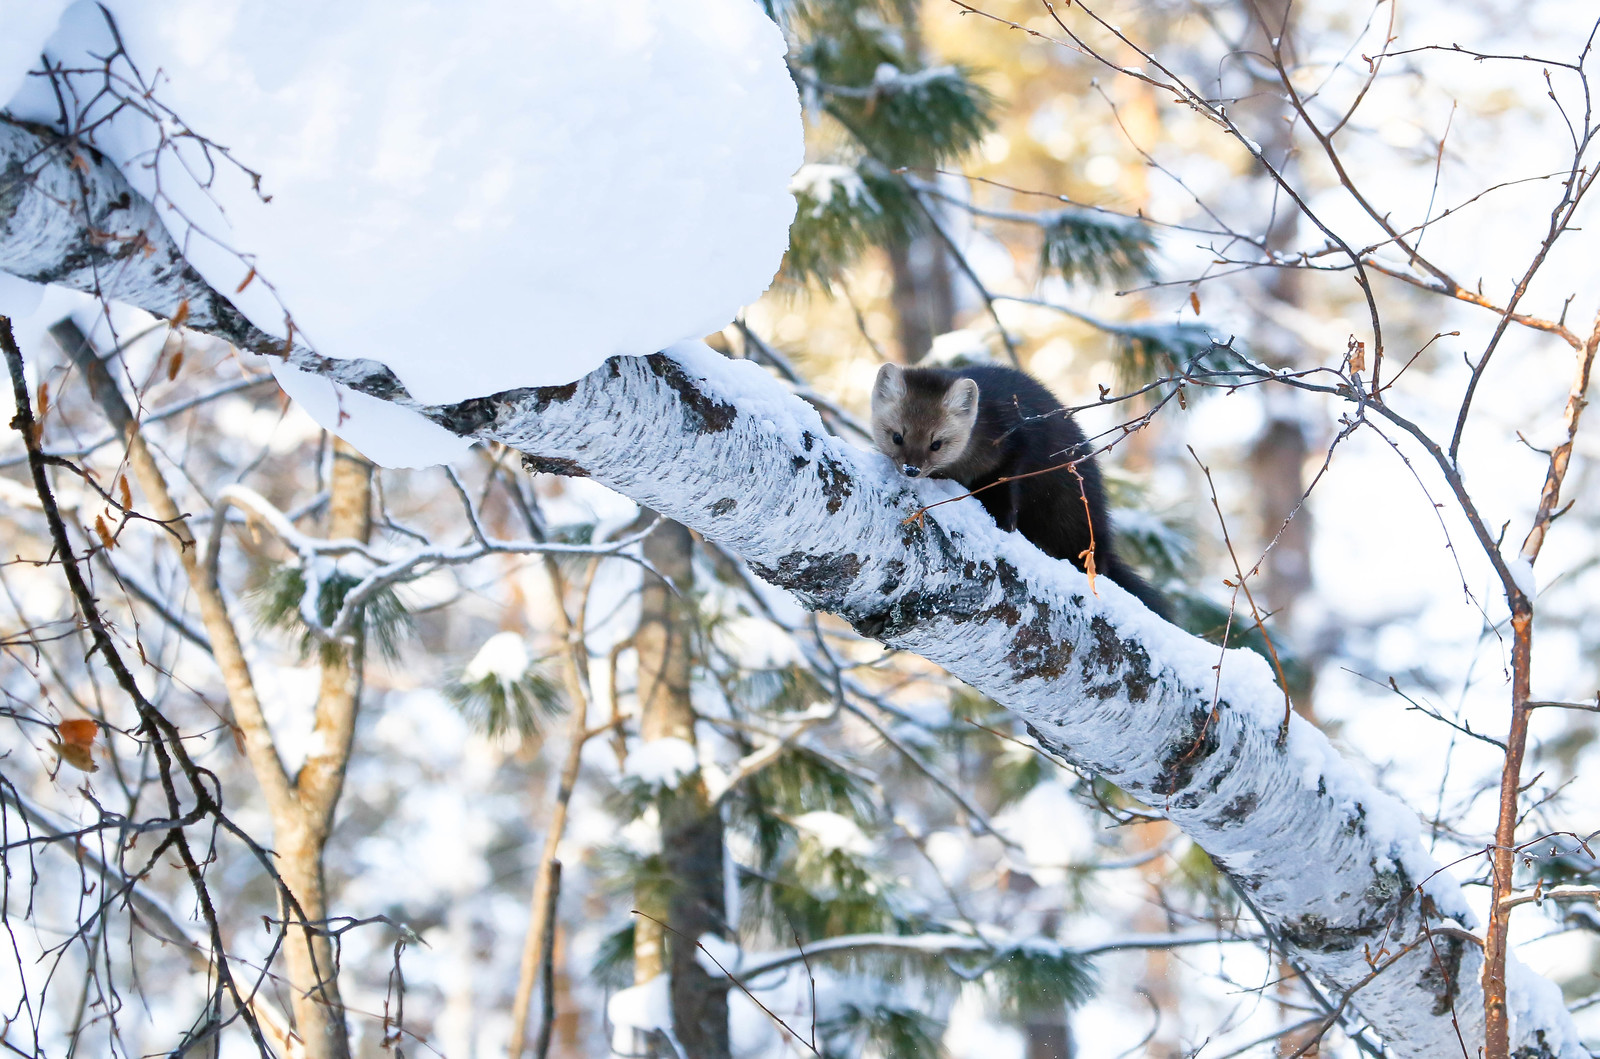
[519,746]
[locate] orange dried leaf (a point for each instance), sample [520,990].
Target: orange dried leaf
[1194,301]
[175,365]
[44,400]
[125,493]
[1087,555]
[76,745]
[248,276]
[78,732]
[181,315]
[76,756]
[1358,355]
[104,533]
[79,162]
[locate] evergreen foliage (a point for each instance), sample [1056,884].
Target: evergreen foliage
[853,66]
[1037,976]
[841,211]
[496,706]
[1096,247]
[893,1031]
[383,620]
[1147,352]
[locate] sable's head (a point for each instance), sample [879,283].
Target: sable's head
[922,419]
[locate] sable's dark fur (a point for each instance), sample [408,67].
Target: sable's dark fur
[933,422]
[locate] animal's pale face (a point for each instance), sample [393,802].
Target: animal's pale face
[924,430]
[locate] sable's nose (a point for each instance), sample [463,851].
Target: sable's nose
[911,471]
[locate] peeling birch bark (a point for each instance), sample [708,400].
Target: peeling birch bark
[1335,868]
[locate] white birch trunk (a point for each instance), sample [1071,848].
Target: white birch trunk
[1335,868]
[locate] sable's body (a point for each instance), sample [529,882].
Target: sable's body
[980,425]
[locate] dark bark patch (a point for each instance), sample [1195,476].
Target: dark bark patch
[1237,811]
[1313,933]
[835,483]
[1057,750]
[545,396]
[1220,773]
[466,418]
[916,608]
[702,413]
[725,506]
[1036,650]
[821,579]
[14,185]
[1124,660]
[1185,754]
[1441,978]
[1539,1049]
[1249,880]
[1357,822]
[552,465]
[893,571]
[1384,903]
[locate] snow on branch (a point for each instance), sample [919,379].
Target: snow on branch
[1335,869]
[751,966]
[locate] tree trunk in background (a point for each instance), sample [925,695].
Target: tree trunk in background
[922,296]
[691,828]
[302,838]
[1277,477]
[1049,1038]
[924,303]
[1278,455]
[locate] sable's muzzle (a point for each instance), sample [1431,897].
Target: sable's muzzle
[911,472]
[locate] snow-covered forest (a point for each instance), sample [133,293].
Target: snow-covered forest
[453,603]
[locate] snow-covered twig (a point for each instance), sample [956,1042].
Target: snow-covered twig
[383,572]
[962,945]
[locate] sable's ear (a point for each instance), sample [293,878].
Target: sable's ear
[961,400]
[890,386]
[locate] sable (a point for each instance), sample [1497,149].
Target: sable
[1005,437]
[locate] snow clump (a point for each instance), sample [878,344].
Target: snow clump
[480,196]
[503,657]
[644,1008]
[834,833]
[661,762]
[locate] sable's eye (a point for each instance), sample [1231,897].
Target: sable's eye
[936,444]
[898,440]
